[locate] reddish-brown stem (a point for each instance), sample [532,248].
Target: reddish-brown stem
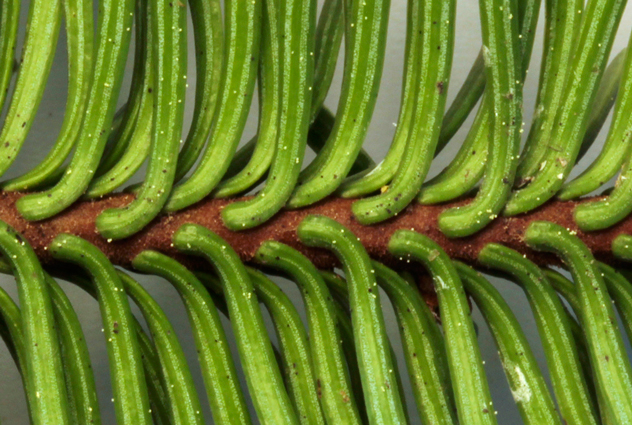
[79,220]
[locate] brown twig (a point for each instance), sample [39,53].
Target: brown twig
[79,220]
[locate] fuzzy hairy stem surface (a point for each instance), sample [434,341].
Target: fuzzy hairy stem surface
[80,221]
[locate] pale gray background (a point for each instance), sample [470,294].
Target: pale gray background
[48,122]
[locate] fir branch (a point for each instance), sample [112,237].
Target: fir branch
[80,221]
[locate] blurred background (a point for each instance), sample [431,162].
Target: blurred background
[468,41]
